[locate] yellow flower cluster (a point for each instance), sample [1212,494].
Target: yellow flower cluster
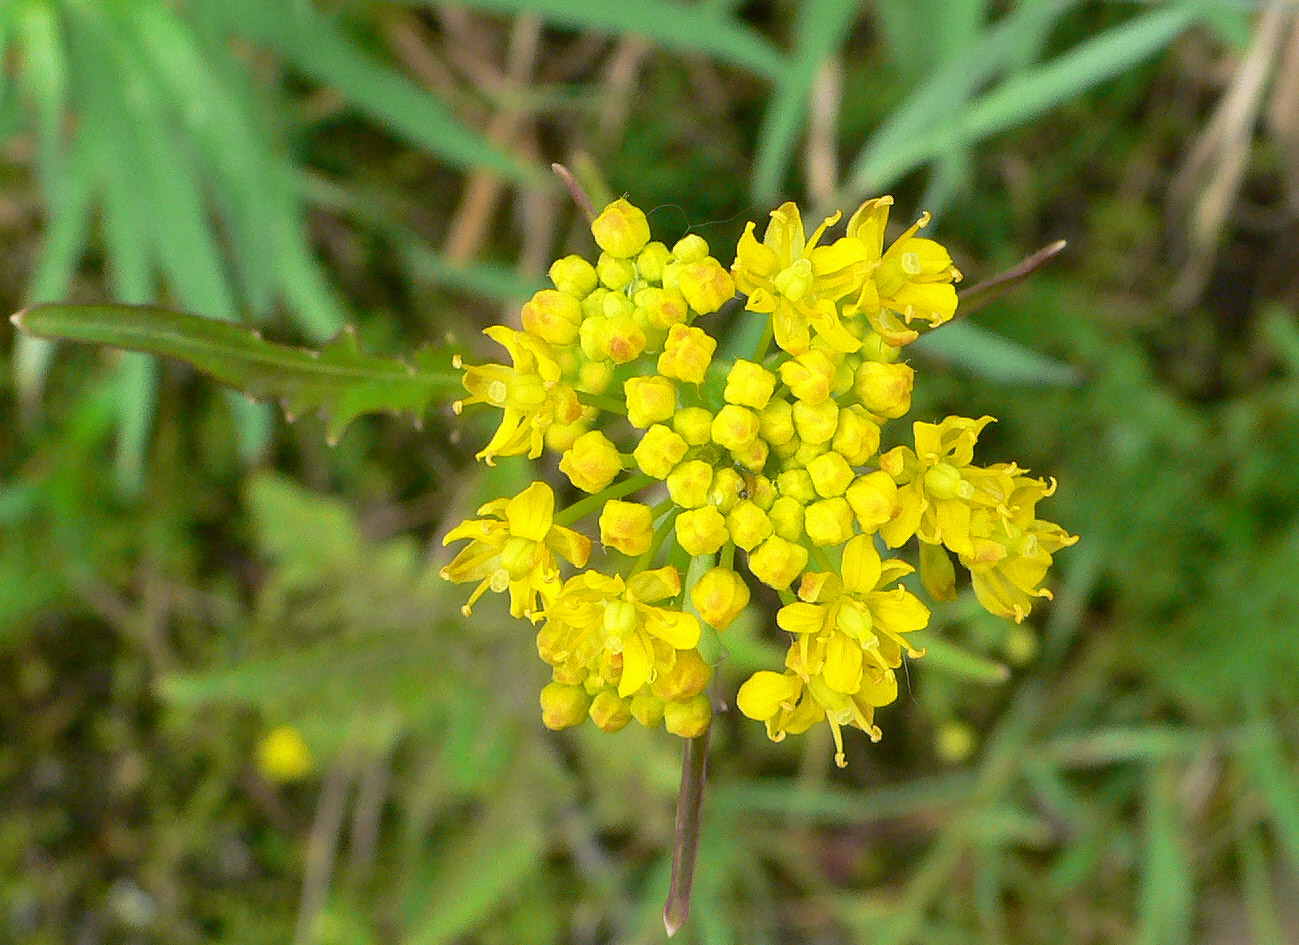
[774,452]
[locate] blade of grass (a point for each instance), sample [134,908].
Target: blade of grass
[675,25]
[993,358]
[1272,776]
[1166,903]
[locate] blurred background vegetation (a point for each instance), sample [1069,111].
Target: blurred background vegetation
[182,573]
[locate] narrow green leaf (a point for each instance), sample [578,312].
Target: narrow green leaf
[1166,905]
[680,26]
[943,656]
[821,28]
[994,358]
[339,381]
[318,47]
[1273,777]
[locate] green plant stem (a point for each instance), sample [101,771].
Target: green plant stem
[592,502]
[690,804]
[660,535]
[764,343]
[600,402]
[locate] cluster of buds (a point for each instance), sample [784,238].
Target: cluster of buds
[688,453]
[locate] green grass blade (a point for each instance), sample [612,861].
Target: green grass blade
[820,30]
[994,358]
[320,49]
[1273,778]
[1166,903]
[339,381]
[674,25]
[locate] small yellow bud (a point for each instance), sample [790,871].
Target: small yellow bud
[621,230]
[688,719]
[573,276]
[688,675]
[663,308]
[762,491]
[592,463]
[816,423]
[593,336]
[749,385]
[627,526]
[831,474]
[701,531]
[690,248]
[810,376]
[899,463]
[829,522]
[796,483]
[807,452]
[695,424]
[659,451]
[647,709]
[776,422]
[594,377]
[875,348]
[785,451]
[706,285]
[857,437]
[777,562]
[615,305]
[552,316]
[615,273]
[748,524]
[283,756]
[625,339]
[735,427]
[609,712]
[650,400]
[688,484]
[874,500]
[754,456]
[687,354]
[720,596]
[725,490]
[884,389]
[944,481]
[651,261]
[560,437]
[786,515]
[563,706]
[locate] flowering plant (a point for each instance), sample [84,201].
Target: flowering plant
[688,458]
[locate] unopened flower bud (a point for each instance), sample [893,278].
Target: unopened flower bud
[659,451]
[592,463]
[701,531]
[650,400]
[754,456]
[816,423]
[762,491]
[749,525]
[796,483]
[706,285]
[609,712]
[688,484]
[626,339]
[831,474]
[553,316]
[564,706]
[810,376]
[735,427]
[875,348]
[749,385]
[786,515]
[647,709]
[695,424]
[594,377]
[776,422]
[651,261]
[663,308]
[720,596]
[690,248]
[725,490]
[807,452]
[621,230]
[874,500]
[828,522]
[686,354]
[688,675]
[688,719]
[857,436]
[627,526]
[776,562]
[615,273]
[573,276]
[884,389]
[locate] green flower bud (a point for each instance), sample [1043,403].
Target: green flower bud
[688,719]
[563,706]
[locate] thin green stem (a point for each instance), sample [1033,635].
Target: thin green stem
[600,402]
[592,502]
[660,535]
[764,343]
[690,802]
[822,559]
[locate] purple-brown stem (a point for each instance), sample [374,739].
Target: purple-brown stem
[690,804]
[575,190]
[994,287]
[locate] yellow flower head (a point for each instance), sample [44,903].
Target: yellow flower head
[798,283]
[515,550]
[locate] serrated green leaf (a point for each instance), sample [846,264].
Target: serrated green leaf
[339,381]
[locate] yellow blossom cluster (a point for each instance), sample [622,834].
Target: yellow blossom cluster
[692,452]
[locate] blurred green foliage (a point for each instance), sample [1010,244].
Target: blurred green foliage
[179,573]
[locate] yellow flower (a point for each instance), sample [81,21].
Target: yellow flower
[860,619]
[913,279]
[614,625]
[283,756]
[515,550]
[798,283]
[530,393]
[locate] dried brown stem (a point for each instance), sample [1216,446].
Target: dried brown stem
[575,190]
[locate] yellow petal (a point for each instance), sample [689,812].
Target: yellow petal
[765,693]
[650,586]
[637,662]
[573,547]
[678,630]
[861,565]
[531,512]
[843,671]
[800,617]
